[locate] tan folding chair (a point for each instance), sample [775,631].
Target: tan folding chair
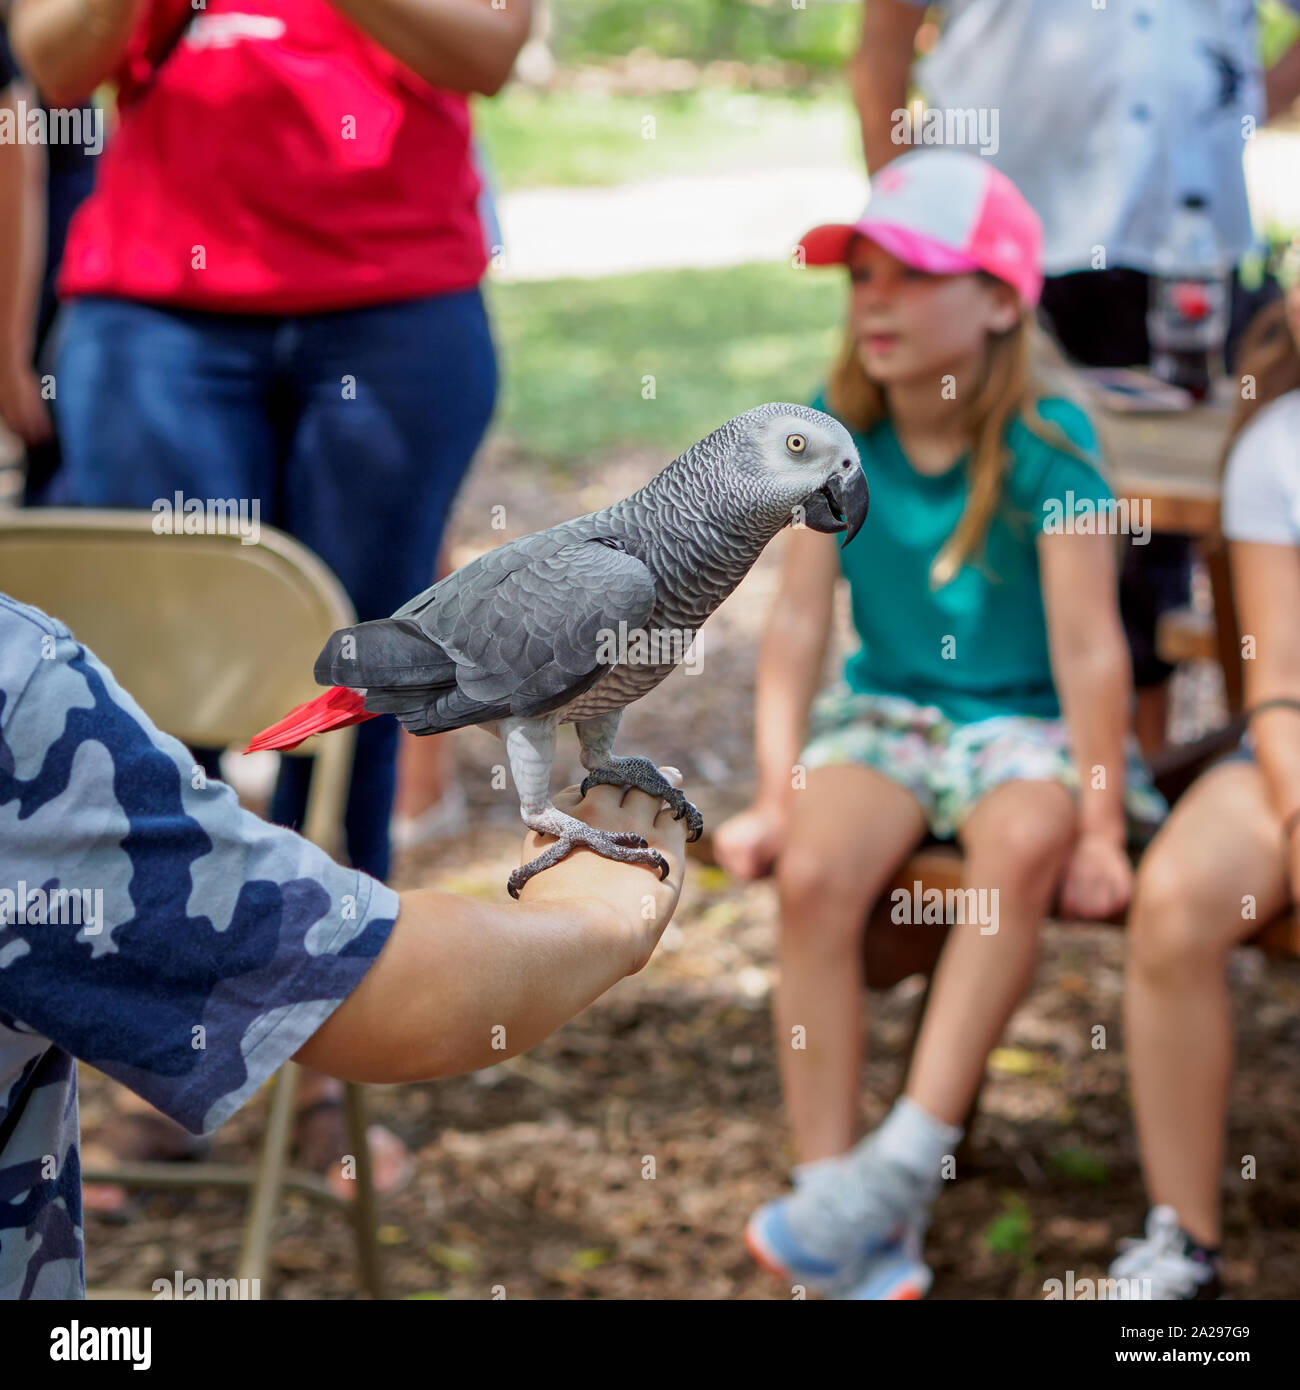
[215,639]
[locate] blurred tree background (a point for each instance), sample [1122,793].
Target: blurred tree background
[749,31]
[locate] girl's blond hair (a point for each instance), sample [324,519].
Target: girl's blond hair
[1022,367]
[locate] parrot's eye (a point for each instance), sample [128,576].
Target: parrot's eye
[796,443]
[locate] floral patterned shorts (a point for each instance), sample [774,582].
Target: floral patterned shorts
[949,766]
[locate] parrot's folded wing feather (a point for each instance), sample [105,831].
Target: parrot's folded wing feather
[519,633]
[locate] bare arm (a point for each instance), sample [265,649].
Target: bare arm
[1266,582]
[463,983]
[68,47]
[879,71]
[13,218]
[1093,676]
[1282,83]
[464,45]
[21,268]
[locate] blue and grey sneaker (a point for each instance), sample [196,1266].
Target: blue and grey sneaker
[852,1222]
[898,1272]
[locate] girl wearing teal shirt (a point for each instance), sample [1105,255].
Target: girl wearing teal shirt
[988,700]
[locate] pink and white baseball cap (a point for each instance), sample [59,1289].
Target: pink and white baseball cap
[946,212]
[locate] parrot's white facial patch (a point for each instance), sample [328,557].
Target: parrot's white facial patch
[805,450]
[809,467]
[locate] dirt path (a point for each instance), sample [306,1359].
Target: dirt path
[732,218]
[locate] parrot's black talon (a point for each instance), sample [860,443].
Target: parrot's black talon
[621,846]
[695,835]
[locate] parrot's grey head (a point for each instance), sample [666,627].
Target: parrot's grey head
[795,463]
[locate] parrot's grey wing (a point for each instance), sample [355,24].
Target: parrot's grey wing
[521,636]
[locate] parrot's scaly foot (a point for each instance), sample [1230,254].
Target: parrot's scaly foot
[623,845]
[645,776]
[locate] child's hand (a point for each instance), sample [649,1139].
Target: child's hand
[641,903]
[1098,878]
[748,844]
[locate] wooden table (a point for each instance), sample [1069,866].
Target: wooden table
[1172,460]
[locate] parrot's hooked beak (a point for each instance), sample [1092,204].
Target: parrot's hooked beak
[840,504]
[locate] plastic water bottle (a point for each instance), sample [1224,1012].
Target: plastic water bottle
[1187,320]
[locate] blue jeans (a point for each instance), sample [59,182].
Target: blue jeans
[353,430]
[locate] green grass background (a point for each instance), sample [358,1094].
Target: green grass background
[716,341]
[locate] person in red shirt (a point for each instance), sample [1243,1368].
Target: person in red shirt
[274,285]
[273,290]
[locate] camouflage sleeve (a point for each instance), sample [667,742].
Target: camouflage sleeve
[148,924]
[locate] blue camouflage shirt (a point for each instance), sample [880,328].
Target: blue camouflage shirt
[148,926]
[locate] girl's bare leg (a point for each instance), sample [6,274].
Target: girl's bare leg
[1222,841]
[850,829]
[1016,841]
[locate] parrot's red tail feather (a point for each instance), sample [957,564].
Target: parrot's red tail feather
[336,709]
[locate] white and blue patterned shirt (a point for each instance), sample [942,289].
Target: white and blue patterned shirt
[1108,115]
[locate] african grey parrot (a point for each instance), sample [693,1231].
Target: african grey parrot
[518,640]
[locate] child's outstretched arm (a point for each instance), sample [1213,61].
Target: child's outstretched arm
[1093,675]
[790,662]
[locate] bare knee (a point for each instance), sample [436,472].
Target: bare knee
[1026,850]
[1172,923]
[820,891]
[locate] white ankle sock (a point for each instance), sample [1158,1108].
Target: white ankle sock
[800,1171]
[912,1137]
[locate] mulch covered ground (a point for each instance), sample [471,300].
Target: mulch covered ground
[621,1158]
